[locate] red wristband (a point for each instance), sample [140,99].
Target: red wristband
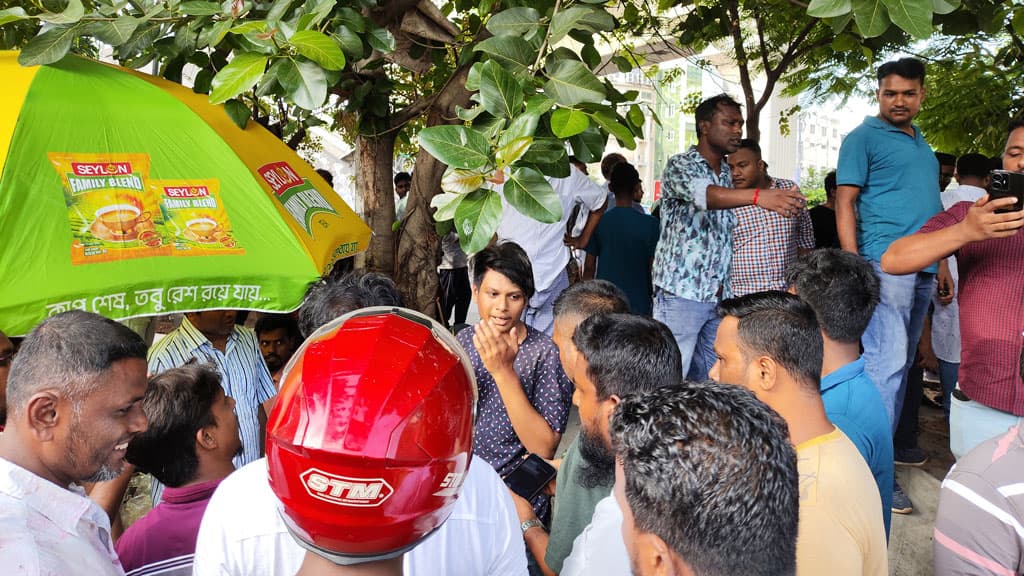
[757,192]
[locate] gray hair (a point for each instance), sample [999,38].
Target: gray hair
[69,352]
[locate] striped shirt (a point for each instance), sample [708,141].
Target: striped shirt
[244,375]
[979,527]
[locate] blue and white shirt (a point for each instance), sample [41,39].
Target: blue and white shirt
[695,248]
[244,374]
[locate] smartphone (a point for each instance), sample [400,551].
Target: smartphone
[1006,184]
[530,476]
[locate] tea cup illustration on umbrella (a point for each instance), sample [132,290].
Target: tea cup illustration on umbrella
[207,230]
[121,222]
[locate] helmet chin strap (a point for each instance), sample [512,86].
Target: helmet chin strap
[302,539]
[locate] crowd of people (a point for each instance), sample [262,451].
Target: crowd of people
[742,367]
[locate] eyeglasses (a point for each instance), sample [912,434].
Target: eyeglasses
[6,358]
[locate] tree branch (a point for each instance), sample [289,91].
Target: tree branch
[760,41]
[741,53]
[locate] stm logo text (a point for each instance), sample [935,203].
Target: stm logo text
[345,491]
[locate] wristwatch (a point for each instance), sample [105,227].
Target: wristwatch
[531,523]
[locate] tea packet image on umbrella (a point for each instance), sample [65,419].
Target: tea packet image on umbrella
[112,214]
[195,217]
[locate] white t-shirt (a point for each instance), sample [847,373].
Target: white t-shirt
[599,549]
[242,532]
[544,242]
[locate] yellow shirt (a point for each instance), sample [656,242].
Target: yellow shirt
[841,531]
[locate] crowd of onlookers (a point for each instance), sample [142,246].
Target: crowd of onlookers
[746,373]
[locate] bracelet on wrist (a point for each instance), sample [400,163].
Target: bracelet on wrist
[531,523]
[757,192]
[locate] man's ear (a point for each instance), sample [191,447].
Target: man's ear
[205,438]
[608,406]
[652,555]
[44,414]
[768,373]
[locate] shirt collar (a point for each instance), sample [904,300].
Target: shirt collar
[842,374]
[696,155]
[198,339]
[65,507]
[876,122]
[190,493]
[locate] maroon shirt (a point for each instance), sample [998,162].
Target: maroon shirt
[991,315]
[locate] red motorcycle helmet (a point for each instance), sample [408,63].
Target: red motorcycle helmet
[372,434]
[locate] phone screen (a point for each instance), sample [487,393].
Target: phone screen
[530,477]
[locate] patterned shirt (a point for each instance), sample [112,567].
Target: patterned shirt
[46,529]
[991,315]
[979,527]
[693,255]
[764,244]
[244,374]
[547,388]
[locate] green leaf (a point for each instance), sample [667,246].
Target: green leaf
[238,76]
[318,10]
[279,9]
[514,22]
[468,114]
[72,13]
[512,151]
[570,83]
[458,181]
[610,122]
[1018,22]
[588,145]
[250,26]
[381,39]
[445,204]
[545,151]
[12,15]
[566,122]
[590,56]
[351,19]
[872,17]
[456,146]
[500,94]
[212,35]
[840,23]
[114,32]
[949,6]
[351,43]
[305,83]
[622,63]
[196,8]
[531,195]
[319,48]
[635,116]
[579,18]
[511,50]
[913,16]
[48,47]
[539,104]
[524,126]
[202,82]
[828,8]
[238,112]
[476,219]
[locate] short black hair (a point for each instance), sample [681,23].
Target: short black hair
[784,328]
[841,288]
[609,162]
[830,183]
[271,322]
[589,297]
[706,109]
[909,68]
[334,296]
[628,353]
[402,177]
[945,159]
[69,351]
[1015,124]
[624,180]
[750,144]
[508,259]
[976,165]
[177,404]
[710,470]
[326,175]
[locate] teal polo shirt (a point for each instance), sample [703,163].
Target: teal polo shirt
[898,177]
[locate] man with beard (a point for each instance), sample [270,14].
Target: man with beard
[192,437]
[6,357]
[618,354]
[74,400]
[279,336]
[691,262]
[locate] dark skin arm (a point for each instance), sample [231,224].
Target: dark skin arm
[786,201]
[846,217]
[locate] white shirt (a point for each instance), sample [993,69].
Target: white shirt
[49,530]
[242,532]
[599,549]
[543,243]
[946,318]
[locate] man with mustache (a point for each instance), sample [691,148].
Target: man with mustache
[74,403]
[888,181]
[279,336]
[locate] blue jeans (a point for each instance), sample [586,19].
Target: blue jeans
[890,341]
[971,423]
[694,326]
[540,313]
[948,373]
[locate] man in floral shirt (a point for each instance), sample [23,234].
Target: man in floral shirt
[692,261]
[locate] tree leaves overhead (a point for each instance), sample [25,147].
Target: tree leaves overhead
[527,191]
[914,16]
[319,48]
[570,83]
[500,94]
[476,219]
[514,22]
[238,76]
[456,146]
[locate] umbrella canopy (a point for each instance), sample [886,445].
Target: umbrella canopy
[128,195]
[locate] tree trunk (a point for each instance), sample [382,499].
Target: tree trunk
[415,270]
[375,193]
[753,123]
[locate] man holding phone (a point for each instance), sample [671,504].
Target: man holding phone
[990,253]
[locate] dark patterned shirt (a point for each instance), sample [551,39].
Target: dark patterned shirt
[694,250]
